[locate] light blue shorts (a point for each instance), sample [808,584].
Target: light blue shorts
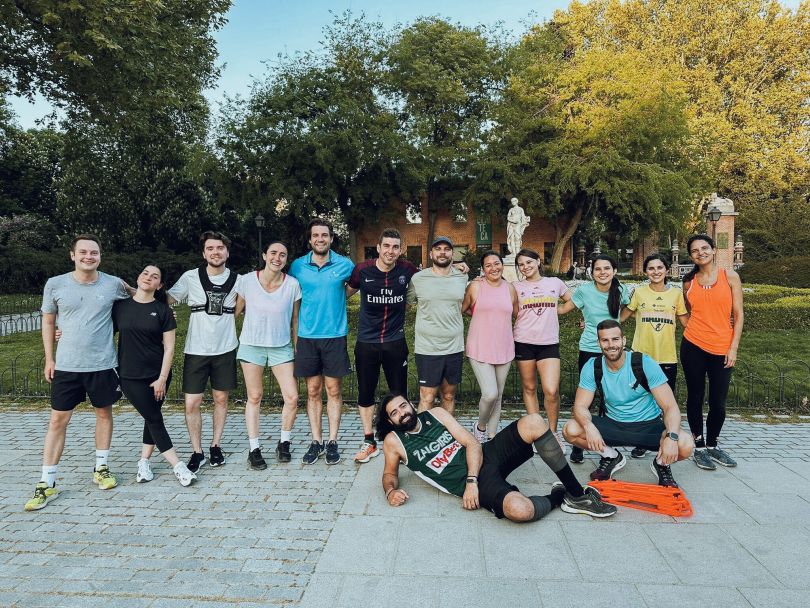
[265,355]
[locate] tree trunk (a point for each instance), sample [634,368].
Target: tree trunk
[433,214]
[563,238]
[355,255]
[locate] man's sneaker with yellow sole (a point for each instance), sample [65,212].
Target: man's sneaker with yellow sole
[42,496]
[103,478]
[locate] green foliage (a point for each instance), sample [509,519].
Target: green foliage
[26,231]
[781,314]
[789,271]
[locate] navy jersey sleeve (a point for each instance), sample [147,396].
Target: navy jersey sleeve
[354,280]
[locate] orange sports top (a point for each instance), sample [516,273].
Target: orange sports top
[710,326]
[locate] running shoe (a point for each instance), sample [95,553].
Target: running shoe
[559,437]
[255,460]
[184,476]
[314,452]
[144,471]
[480,436]
[703,460]
[196,461]
[42,496]
[608,466]
[283,451]
[332,454]
[638,452]
[721,457]
[664,474]
[103,477]
[590,503]
[217,458]
[367,452]
[577,455]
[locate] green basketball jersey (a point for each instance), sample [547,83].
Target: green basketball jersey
[435,455]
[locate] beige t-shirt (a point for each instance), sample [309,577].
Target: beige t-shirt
[439,324]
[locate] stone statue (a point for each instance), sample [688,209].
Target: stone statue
[516,223]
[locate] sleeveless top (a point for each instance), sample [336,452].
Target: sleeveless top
[434,455]
[709,326]
[489,339]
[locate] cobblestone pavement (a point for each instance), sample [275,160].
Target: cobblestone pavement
[323,536]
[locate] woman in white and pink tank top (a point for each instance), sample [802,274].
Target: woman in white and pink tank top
[490,348]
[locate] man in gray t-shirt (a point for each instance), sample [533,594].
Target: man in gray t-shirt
[438,292]
[84,366]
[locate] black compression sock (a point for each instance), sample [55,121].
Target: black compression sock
[369,439]
[542,506]
[570,481]
[557,496]
[549,450]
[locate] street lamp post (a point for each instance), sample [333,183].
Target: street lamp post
[713,213]
[259,219]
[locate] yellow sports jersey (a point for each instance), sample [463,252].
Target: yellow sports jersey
[656,313]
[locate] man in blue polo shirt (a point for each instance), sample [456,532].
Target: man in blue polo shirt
[321,355]
[635,415]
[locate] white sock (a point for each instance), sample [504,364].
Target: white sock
[609,452]
[143,460]
[254,443]
[179,466]
[49,475]
[286,435]
[101,458]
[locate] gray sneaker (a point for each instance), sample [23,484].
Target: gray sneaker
[332,453]
[590,503]
[703,460]
[720,457]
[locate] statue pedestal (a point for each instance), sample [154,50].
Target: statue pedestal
[510,273]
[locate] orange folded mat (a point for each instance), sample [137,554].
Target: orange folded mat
[645,497]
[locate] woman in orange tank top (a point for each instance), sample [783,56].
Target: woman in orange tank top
[709,347]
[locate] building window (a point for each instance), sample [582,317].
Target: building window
[722,240]
[548,249]
[414,254]
[413,215]
[370,253]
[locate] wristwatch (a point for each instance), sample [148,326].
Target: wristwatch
[673,436]
[472,479]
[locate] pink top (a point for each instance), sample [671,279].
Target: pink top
[537,321]
[489,339]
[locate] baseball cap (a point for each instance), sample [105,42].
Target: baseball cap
[442,239]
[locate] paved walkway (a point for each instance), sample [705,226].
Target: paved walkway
[324,536]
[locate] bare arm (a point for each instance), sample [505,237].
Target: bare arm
[737,314]
[475,455]
[515,303]
[350,291]
[170,300]
[48,331]
[294,323]
[582,414]
[390,478]
[240,306]
[470,296]
[159,385]
[568,306]
[683,320]
[626,314]
[668,453]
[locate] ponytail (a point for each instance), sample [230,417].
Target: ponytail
[615,294]
[695,237]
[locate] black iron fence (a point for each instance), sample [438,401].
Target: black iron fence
[20,322]
[764,385]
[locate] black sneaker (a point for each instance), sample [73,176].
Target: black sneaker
[217,457]
[608,466]
[332,454]
[283,451]
[721,457]
[255,460]
[664,474]
[638,452]
[314,452]
[590,503]
[577,455]
[196,461]
[703,460]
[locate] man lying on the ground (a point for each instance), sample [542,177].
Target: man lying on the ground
[641,410]
[438,449]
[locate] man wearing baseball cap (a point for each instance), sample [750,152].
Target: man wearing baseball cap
[439,336]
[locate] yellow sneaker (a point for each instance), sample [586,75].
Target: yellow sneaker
[42,496]
[104,478]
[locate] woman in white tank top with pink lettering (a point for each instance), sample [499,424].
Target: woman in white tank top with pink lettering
[492,303]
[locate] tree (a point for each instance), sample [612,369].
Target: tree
[317,137]
[29,171]
[446,79]
[110,62]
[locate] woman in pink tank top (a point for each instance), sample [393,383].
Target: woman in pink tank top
[490,348]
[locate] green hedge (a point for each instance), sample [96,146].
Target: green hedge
[790,271]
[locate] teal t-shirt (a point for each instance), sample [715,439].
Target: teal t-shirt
[323,296]
[593,304]
[624,403]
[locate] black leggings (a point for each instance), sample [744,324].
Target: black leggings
[142,397]
[697,364]
[671,372]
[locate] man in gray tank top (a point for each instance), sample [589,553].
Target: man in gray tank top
[439,450]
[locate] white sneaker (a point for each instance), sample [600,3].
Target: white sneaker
[184,476]
[480,436]
[144,471]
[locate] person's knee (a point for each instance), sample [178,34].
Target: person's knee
[333,391]
[104,413]
[551,394]
[532,425]
[488,398]
[220,399]
[254,396]
[59,421]
[686,446]
[449,394]
[571,430]
[517,508]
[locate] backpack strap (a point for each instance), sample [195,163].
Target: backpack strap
[637,364]
[598,372]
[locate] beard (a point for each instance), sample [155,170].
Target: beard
[613,355]
[406,423]
[216,263]
[443,262]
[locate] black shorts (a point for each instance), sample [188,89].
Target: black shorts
[432,369]
[198,369]
[502,454]
[321,357]
[536,352]
[368,357]
[646,434]
[69,389]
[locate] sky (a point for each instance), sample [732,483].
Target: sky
[260,30]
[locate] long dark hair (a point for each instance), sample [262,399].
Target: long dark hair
[615,294]
[529,253]
[160,294]
[695,237]
[384,425]
[660,258]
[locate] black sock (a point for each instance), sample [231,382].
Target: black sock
[369,439]
[549,450]
[542,506]
[556,497]
[570,481]
[699,442]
